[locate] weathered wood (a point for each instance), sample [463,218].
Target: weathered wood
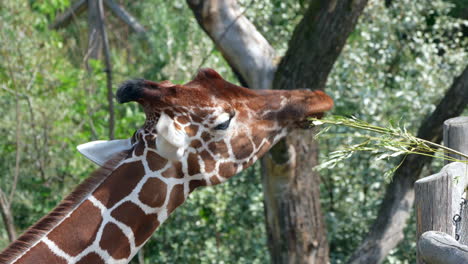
[456,135]
[458,172]
[433,204]
[464,226]
[439,248]
[437,199]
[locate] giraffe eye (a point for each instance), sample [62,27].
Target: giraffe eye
[224,125]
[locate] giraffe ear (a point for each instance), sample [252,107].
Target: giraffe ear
[170,142]
[101,151]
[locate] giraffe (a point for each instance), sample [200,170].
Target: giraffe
[197,134]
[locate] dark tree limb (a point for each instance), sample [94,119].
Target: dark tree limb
[128,19]
[79,6]
[107,60]
[95,41]
[64,19]
[316,43]
[387,230]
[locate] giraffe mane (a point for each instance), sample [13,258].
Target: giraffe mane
[33,234]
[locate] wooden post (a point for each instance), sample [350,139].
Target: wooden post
[438,197]
[433,205]
[456,135]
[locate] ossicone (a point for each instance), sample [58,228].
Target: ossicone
[131,90]
[139,89]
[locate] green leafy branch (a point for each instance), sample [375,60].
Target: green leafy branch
[391,141]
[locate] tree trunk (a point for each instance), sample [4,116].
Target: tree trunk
[7,217]
[387,230]
[295,225]
[95,41]
[294,218]
[107,61]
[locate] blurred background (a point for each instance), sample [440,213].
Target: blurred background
[398,61]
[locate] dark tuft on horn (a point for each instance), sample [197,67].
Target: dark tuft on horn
[131,90]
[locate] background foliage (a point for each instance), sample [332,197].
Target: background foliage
[395,67]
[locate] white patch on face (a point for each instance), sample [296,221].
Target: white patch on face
[222,118]
[171,142]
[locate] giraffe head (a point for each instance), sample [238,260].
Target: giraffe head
[214,127]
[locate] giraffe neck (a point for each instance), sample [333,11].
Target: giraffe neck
[115,219]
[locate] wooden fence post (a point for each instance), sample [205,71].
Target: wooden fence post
[456,137]
[438,197]
[433,204]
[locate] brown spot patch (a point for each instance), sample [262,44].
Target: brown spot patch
[206,136]
[177,126]
[41,254]
[155,162]
[257,136]
[79,230]
[220,148]
[142,225]
[182,119]
[139,149]
[227,169]
[241,145]
[170,113]
[196,144]
[115,242]
[209,161]
[91,258]
[153,193]
[247,164]
[195,184]
[176,198]
[215,180]
[175,171]
[120,183]
[197,119]
[191,130]
[193,164]
[150,141]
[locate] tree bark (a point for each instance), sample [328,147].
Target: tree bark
[7,216]
[294,220]
[107,61]
[387,230]
[244,48]
[95,41]
[126,17]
